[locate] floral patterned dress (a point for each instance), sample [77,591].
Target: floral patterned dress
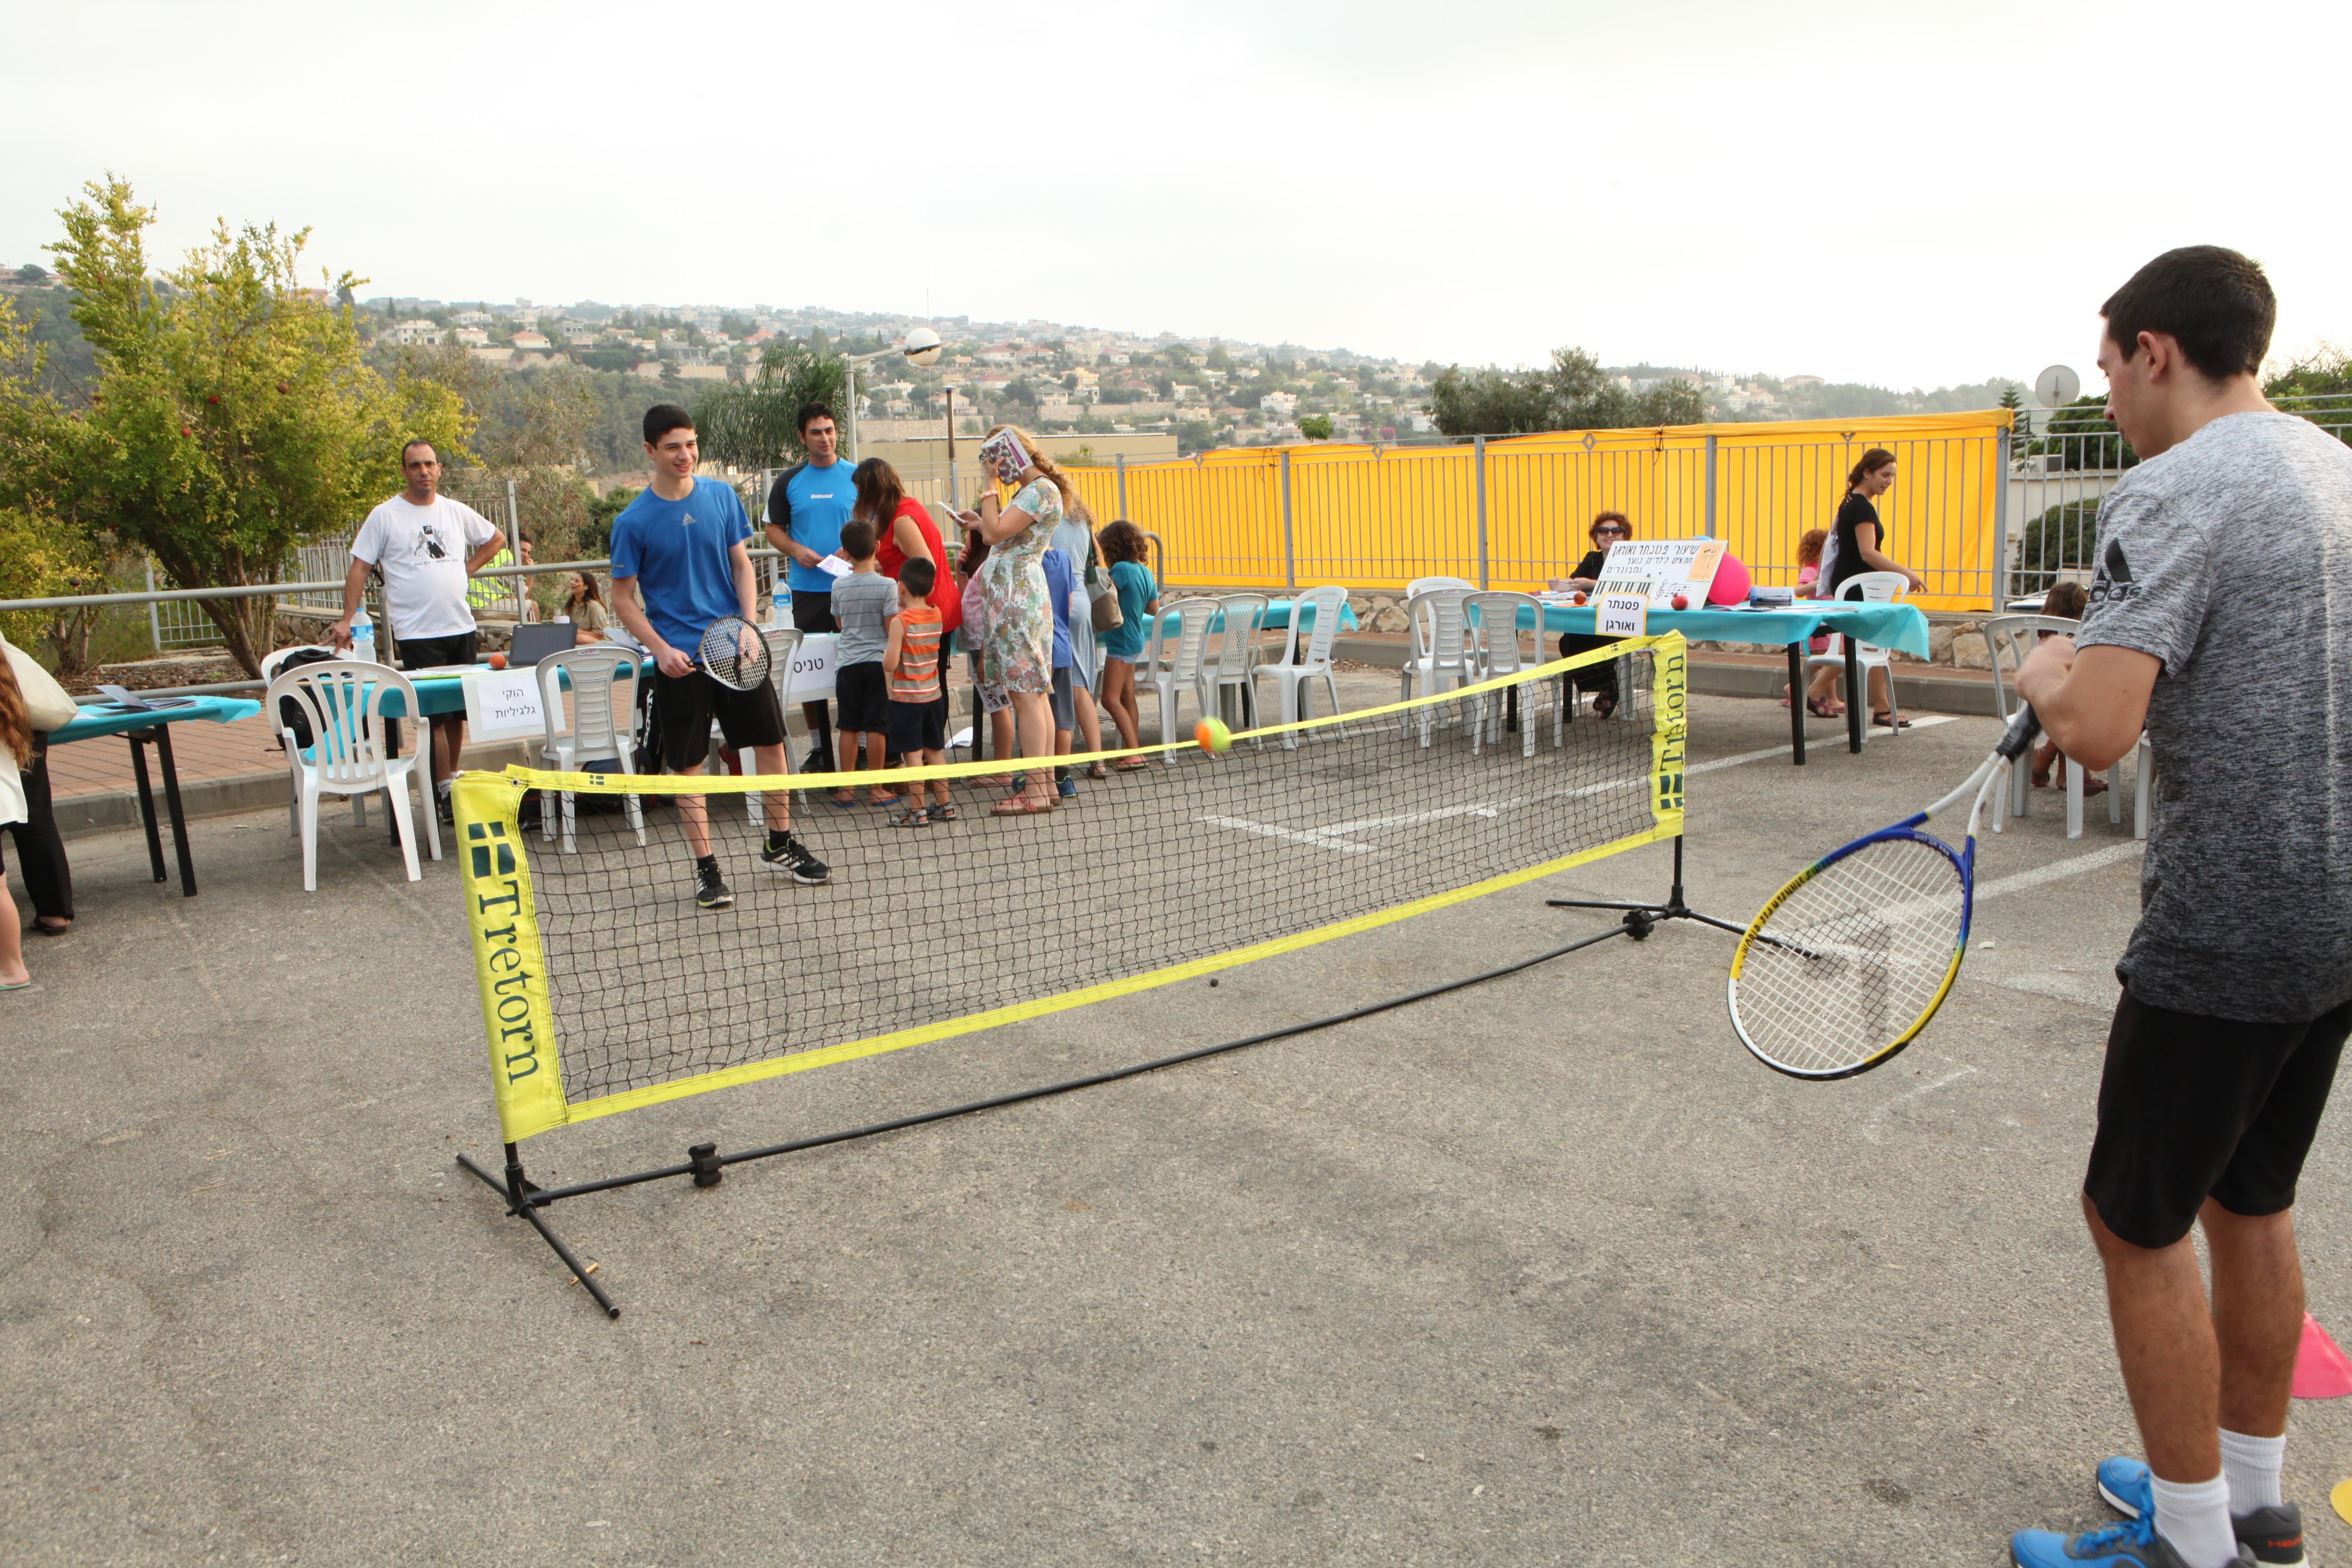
[1018,651]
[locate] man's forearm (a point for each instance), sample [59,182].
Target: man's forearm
[354,586]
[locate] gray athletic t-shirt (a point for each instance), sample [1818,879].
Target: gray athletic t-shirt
[2225,557]
[864,602]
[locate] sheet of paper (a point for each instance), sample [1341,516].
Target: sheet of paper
[503,704]
[121,697]
[1622,614]
[1684,567]
[834,566]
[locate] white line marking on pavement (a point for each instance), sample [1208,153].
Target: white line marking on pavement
[1870,1127]
[1267,830]
[2075,867]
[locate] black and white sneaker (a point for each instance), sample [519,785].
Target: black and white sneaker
[444,802]
[710,889]
[818,760]
[787,854]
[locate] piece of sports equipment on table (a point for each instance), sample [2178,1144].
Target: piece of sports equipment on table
[604,989]
[1845,966]
[1211,735]
[733,653]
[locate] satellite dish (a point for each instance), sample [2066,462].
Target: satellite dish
[2057,386]
[923,346]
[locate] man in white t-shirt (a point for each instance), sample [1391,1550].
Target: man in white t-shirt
[428,547]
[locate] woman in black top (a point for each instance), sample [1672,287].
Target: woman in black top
[1861,541]
[1600,679]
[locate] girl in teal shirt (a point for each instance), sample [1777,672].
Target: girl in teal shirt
[1122,544]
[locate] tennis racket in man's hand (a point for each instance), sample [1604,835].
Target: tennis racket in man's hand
[1847,963]
[733,653]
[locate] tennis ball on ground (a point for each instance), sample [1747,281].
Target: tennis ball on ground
[1212,735]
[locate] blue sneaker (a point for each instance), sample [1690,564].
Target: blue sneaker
[2274,1535]
[2131,1544]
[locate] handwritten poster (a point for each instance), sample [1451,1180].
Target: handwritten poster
[1665,567]
[1621,614]
[503,704]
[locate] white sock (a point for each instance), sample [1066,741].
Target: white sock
[2250,1466]
[2194,1518]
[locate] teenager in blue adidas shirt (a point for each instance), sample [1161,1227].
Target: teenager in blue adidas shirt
[806,508]
[681,561]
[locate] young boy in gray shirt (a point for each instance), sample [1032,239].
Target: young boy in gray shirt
[863,603]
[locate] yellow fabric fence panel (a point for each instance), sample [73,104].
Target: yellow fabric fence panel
[1377,518]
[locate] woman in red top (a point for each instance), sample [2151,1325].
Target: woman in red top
[907,533]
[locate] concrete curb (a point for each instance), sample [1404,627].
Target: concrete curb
[110,811]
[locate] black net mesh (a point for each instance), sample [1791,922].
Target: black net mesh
[1194,856]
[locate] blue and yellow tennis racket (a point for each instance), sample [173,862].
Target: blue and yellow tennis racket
[1846,965]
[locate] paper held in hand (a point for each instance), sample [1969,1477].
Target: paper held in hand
[1665,567]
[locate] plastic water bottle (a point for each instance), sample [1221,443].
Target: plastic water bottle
[362,636]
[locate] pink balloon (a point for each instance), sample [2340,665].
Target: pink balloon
[1731,582]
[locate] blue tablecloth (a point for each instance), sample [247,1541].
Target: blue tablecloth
[1900,627]
[446,693]
[99,719]
[1277,618]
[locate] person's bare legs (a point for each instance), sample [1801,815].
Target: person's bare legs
[877,757]
[12,939]
[1089,722]
[694,824]
[1118,697]
[448,745]
[771,761]
[1823,688]
[1033,715]
[2258,1308]
[2165,1341]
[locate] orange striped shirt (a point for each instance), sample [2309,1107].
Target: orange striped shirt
[916,678]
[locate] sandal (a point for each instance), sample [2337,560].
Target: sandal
[1819,709]
[1604,705]
[1097,771]
[1022,806]
[990,781]
[41,924]
[1129,764]
[913,816]
[945,812]
[844,798]
[1888,721]
[884,799]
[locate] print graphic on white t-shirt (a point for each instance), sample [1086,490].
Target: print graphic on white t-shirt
[428,538]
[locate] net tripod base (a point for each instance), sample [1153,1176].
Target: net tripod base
[1640,920]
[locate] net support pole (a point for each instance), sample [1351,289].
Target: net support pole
[1120,460]
[1642,918]
[2000,588]
[519,1191]
[1709,528]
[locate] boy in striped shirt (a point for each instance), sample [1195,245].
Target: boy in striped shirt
[918,700]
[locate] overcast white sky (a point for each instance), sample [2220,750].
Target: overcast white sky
[1904,193]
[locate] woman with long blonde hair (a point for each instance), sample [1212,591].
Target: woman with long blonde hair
[1017,651]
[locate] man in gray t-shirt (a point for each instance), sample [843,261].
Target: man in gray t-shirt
[2210,625]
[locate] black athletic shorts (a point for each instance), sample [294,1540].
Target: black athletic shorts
[813,613]
[918,727]
[2192,1107]
[685,705]
[861,698]
[426,653]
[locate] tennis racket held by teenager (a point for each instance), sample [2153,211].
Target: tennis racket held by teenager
[1845,966]
[733,653]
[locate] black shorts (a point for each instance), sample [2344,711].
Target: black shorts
[861,694]
[813,613]
[918,727]
[685,705]
[2192,1107]
[426,653]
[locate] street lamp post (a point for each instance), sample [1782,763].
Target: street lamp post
[922,346]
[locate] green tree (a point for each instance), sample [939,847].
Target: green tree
[1316,426]
[234,416]
[2081,436]
[2319,388]
[44,553]
[751,424]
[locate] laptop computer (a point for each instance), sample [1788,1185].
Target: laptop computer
[534,640]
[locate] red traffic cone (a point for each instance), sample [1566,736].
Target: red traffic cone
[2321,1370]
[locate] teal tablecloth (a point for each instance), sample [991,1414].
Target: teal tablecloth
[1902,626]
[1277,618]
[99,719]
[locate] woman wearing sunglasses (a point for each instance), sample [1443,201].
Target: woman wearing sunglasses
[1600,679]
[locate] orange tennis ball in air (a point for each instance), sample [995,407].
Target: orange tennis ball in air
[1213,736]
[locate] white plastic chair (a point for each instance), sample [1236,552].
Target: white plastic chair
[1433,585]
[1879,588]
[2014,636]
[1234,667]
[1439,658]
[1500,647]
[604,724]
[1292,674]
[1174,664]
[344,702]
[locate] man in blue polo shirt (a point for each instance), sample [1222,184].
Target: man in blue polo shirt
[680,562]
[806,508]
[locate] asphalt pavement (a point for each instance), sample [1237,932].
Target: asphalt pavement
[1546,1270]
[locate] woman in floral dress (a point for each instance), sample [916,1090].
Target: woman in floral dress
[1018,651]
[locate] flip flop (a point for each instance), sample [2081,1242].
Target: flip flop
[1822,709]
[1129,764]
[1887,721]
[1097,771]
[1021,805]
[16,984]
